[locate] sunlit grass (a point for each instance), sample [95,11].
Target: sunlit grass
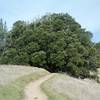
[15,89]
[51,93]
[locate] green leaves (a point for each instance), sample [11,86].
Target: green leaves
[55,42]
[97,45]
[22,58]
[3,34]
[38,59]
[32,47]
[7,57]
[57,59]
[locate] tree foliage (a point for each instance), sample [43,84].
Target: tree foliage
[3,34]
[55,42]
[97,45]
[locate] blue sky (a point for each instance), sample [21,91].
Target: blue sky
[86,12]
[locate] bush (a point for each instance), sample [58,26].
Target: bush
[55,42]
[38,59]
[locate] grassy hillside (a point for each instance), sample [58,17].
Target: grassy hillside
[51,92]
[13,80]
[62,87]
[16,79]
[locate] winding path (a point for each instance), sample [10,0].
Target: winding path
[33,90]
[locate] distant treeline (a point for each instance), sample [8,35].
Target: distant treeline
[55,42]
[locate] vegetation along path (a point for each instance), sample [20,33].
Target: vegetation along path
[33,90]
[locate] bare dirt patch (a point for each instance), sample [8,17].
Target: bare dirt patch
[33,90]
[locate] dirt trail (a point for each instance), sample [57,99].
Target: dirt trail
[33,90]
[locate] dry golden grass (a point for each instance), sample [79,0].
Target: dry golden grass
[74,89]
[9,73]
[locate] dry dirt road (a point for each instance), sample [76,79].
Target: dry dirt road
[33,90]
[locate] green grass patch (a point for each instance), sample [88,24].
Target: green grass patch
[51,93]
[15,89]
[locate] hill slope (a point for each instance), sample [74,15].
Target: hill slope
[13,80]
[64,87]
[33,90]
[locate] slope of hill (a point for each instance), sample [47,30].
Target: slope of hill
[13,80]
[9,73]
[33,90]
[63,87]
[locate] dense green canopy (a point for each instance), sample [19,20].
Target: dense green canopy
[55,42]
